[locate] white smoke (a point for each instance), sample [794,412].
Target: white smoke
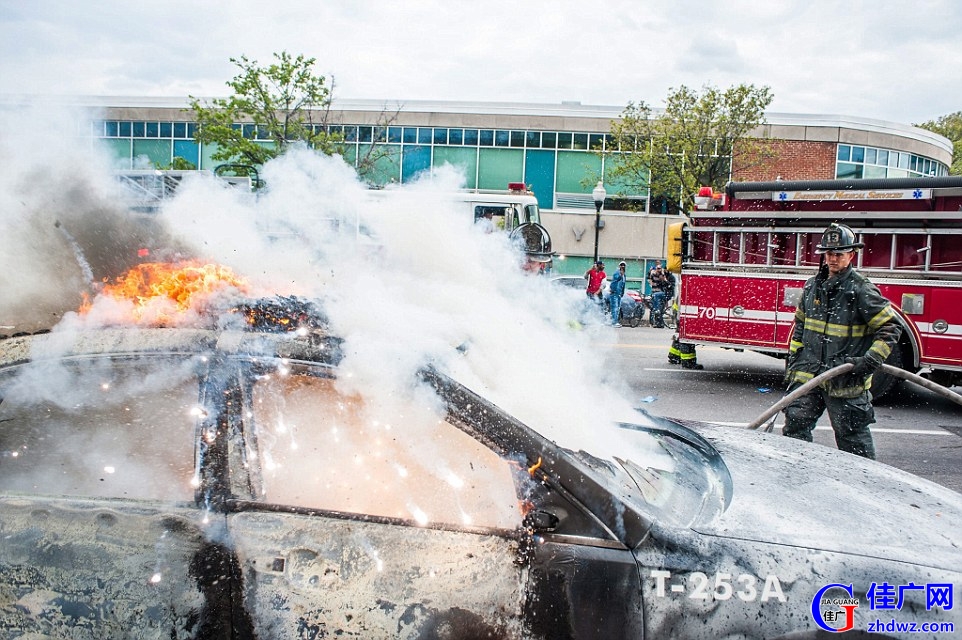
[406,280]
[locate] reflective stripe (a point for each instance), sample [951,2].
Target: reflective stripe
[883,316]
[835,330]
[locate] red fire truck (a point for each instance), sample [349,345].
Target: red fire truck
[744,256]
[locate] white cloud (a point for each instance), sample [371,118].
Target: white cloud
[883,60]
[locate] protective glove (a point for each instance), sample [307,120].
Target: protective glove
[864,365]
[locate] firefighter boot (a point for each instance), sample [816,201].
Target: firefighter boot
[674,352]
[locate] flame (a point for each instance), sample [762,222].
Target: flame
[162,293]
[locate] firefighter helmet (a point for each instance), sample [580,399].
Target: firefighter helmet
[838,238]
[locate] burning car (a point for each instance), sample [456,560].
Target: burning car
[227,479]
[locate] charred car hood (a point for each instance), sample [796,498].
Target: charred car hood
[795,493]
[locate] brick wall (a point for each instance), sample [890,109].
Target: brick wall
[788,159]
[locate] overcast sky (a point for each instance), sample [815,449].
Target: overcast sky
[897,61]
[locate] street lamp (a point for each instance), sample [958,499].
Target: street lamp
[598,193]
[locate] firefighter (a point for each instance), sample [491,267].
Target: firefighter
[842,317]
[683,353]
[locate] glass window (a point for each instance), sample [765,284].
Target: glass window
[471,137]
[111,129]
[440,136]
[517,138]
[153,129]
[883,157]
[425,135]
[532,139]
[501,138]
[870,156]
[596,141]
[249,131]
[549,140]
[455,136]
[903,161]
[415,465]
[137,129]
[858,154]
[180,130]
[564,140]
[580,141]
[394,134]
[486,138]
[847,170]
[364,134]
[844,153]
[350,133]
[262,133]
[132,421]
[410,135]
[380,134]
[125,129]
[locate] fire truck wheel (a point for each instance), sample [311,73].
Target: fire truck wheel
[883,383]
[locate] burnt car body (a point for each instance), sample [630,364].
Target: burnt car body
[215,483]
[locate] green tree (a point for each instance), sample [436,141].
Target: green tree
[949,126]
[693,142]
[275,106]
[271,108]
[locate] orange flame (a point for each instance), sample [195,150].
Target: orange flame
[161,292]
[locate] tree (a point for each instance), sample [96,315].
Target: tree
[273,107]
[693,142]
[949,126]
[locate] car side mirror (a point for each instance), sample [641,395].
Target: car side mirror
[541,521]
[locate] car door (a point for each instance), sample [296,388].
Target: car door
[99,533]
[370,519]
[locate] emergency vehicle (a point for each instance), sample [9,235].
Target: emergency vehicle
[745,254]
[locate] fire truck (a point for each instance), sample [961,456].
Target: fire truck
[744,255]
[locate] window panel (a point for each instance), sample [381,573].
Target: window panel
[580,141]
[844,153]
[501,138]
[440,136]
[858,154]
[471,137]
[565,140]
[549,140]
[153,130]
[456,136]
[394,134]
[517,138]
[137,129]
[425,135]
[485,137]
[421,468]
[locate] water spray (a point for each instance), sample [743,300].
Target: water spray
[78,255]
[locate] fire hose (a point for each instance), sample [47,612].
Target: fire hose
[769,415]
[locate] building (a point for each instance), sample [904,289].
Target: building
[547,146]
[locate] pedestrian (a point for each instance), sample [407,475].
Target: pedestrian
[596,278]
[842,317]
[658,280]
[615,291]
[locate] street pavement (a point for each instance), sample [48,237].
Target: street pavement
[915,430]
